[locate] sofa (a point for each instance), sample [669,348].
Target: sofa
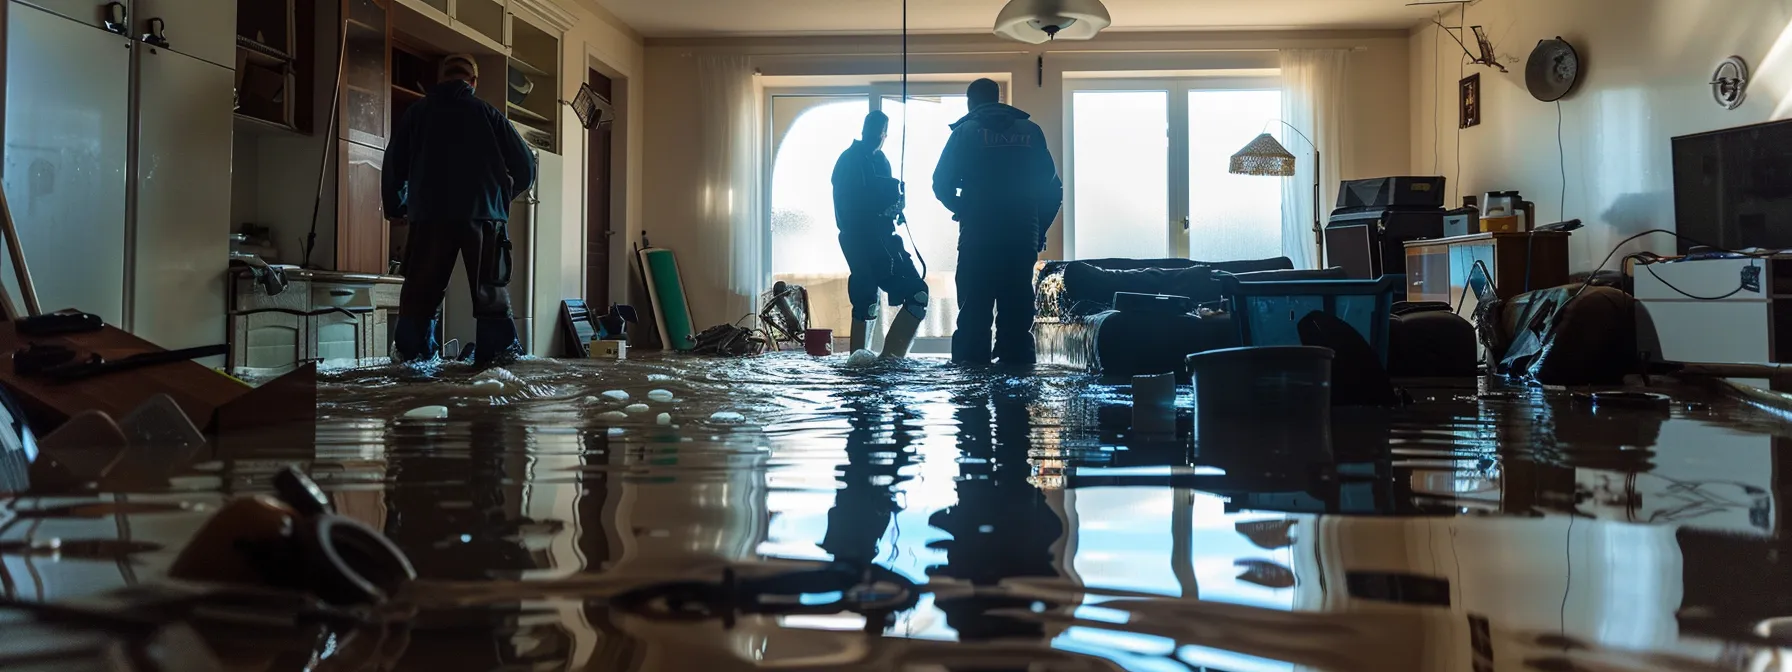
[1077,326]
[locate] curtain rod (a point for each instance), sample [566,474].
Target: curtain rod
[1017,52]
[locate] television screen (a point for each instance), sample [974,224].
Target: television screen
[1733,188]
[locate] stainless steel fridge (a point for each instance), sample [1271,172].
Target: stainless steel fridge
[117,159]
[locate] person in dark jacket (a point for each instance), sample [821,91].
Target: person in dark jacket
[999,180]
[867,202]
[452,167]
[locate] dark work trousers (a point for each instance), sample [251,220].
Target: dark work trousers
[995,289]
[879,263]
[430,253]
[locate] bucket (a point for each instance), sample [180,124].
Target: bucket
[1263,402]
[819,342]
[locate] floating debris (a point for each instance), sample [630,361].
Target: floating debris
[661,396]
[616,395]
[727,418]
[635,409]
[612,415]
[428,413]
[664,420]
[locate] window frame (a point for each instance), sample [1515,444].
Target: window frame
[1177,88]
[874,93]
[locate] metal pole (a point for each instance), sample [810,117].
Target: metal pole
[1318,231]
[19,268]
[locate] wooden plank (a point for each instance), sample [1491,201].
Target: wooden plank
[198,390]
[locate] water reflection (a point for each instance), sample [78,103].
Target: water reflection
[1480,529]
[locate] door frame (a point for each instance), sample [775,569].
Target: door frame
[1177,89]
[875,93]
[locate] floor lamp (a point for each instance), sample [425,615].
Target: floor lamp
[1268,158]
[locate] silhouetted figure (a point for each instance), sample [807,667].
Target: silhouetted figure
[864,508]
[1001,527]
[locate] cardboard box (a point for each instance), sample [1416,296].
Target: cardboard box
[608,349]
[1500,225]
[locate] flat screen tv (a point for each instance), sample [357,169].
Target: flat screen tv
[1733,188]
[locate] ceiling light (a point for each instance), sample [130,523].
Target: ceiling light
[1039,21]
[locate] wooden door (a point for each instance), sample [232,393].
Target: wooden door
[597,210]
[362,234]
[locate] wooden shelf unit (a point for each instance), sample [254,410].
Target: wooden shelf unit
[535,57]
[272,73]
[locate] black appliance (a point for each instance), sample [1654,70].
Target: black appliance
[1733,188]
[1371,244]
[1391,192]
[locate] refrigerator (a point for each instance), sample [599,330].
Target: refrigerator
[117,159]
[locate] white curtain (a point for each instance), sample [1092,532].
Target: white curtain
[732,182]
[1313,82]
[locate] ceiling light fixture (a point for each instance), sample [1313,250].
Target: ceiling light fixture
[1040,21]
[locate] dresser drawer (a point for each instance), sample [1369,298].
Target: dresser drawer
[249,295]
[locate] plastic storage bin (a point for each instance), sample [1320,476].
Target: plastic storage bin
[1269,313]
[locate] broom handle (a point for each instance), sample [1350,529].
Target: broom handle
[20,269]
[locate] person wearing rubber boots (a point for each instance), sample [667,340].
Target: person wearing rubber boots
[999,180]
[452,167]
[867,202]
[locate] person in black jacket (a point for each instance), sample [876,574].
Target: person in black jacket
[452,167]
[867,202]
[999,180]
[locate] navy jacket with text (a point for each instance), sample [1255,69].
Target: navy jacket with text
[999,180]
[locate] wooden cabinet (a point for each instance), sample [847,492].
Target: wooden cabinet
[366,113]
[362,234]
[1437,270]
[335,318]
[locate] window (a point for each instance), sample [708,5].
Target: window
[1148,170]
[809,130]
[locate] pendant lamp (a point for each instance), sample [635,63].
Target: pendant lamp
[1040,21]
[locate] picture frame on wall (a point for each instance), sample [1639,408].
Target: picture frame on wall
[1470,101]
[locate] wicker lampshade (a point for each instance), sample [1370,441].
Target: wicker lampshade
[1265,157]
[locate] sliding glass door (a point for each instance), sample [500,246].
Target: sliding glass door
[809,130]
[1148,170]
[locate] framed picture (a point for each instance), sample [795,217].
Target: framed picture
[1471,101]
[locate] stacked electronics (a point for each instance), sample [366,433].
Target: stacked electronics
[1375,218]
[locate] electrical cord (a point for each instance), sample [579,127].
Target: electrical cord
[1562,158]
[902,217]
[1740,288]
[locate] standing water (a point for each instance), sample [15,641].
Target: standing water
[667,513]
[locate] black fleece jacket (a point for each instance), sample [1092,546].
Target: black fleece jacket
[454,157]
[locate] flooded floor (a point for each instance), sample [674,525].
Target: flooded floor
[791,512]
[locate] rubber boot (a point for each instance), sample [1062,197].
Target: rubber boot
[496,343]
[413,340]
[861,333]
[901,334]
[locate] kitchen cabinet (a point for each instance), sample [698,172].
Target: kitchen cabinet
[363,236]
[68,130]
[336,319]
[94,89]
[366,117]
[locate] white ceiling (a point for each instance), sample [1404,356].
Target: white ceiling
[688,18]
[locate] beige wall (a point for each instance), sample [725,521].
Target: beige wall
[1646,68]
[597,40]
[1378,120]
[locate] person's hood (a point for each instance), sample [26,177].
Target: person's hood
[452,88]
[994,115]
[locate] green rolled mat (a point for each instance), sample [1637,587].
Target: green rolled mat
[671,311]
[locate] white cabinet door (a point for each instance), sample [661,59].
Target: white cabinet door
[555,239]
[67,128]
[203,29]
[183,206]
[96,13]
